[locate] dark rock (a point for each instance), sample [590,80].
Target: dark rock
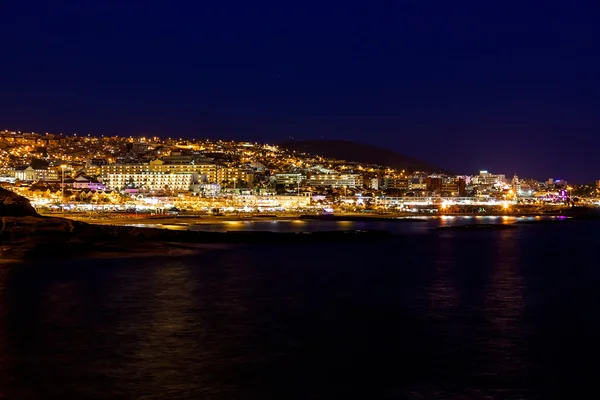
[14,205]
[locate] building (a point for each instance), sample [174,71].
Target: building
[206,189]
[485,178]
[96,162]
[446,186]
[556,182]
[336,181]
[25,173]
[207,173]
[289,179]
[178,158]
[516,184]
[255,165]
[434,183]
[123,169]
[373,183]
[85,182]
[396,183]
[7,172]
[232,175]
[153,181]
[422,186]
[49,174]
[453,187]
[37,171]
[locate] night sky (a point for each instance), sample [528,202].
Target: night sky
[468,85]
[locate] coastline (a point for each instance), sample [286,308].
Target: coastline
[26,235]
[185,220]
[43,237]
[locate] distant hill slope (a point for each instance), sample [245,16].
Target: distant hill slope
[352,151]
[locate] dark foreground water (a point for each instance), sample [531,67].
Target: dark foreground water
[511,314]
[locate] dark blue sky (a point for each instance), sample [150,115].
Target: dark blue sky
[505,86]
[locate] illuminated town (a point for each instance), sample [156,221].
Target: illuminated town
[137,175]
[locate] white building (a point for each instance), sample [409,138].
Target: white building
[151,181]
[374,183]
[26,173]
[336,181]
[485,178]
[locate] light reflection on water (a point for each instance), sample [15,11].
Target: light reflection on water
[504,307]
[463,315]
[444,295]
[406,225]
[409,224]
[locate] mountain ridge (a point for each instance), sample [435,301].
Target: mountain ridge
[359,152]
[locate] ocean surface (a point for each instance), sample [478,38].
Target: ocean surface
[402,226]
[510,314]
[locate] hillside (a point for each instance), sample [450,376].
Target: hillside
[351,151]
